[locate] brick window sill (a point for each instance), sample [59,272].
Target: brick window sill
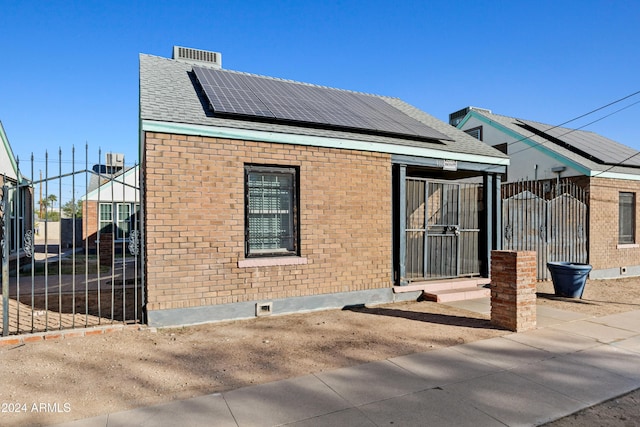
[628,246]
[270,262]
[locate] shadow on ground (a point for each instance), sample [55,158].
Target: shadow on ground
[441,319]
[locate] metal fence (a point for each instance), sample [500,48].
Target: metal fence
[71,245]
[442,229]
[548,217]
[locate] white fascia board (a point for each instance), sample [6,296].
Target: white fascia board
[614,175]
[314,141]
[123,185]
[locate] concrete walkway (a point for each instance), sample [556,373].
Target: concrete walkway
[570,362]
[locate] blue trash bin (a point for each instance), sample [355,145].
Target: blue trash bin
[569,278]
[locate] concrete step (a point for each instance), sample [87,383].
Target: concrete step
[458,294]
[440,285]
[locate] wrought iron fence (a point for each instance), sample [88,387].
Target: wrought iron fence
[548,217]
[442,234]
[71,245]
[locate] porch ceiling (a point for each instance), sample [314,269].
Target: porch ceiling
[454,169]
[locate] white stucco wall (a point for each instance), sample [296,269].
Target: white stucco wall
[117,191]
[526,162]
[6,165]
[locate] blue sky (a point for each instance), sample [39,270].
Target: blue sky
[69,69]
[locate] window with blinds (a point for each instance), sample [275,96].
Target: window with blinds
[271,214]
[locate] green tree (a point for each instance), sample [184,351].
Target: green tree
[51,200]
[69,208]
[47,204]
[53,216]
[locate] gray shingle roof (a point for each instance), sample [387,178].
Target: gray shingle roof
[581,147]
[168,94]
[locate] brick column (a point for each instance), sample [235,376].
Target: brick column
[513,290]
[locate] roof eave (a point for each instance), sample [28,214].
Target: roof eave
[317,141]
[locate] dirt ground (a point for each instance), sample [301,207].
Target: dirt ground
[49,382]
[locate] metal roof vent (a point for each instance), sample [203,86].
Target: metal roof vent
[196,56]
[456,117]
[115,160]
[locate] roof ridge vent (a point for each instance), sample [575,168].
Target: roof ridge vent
[197,56]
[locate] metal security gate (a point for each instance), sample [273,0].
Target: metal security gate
[71,245]
[442,229]
[548,217]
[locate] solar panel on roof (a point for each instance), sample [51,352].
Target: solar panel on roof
[603,149]
[248,95]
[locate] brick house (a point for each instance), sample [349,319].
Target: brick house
[608,171]
[262,195]
[111,206]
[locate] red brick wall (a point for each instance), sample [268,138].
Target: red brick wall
[194,219]
[89,223]
[513,289]
[603,224]
[106,249]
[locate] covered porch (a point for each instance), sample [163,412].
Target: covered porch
[446,219]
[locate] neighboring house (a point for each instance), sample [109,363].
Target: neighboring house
[607,171]
[263,195]
[111,206]
[20,198]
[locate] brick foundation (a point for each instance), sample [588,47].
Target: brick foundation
[513,290]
